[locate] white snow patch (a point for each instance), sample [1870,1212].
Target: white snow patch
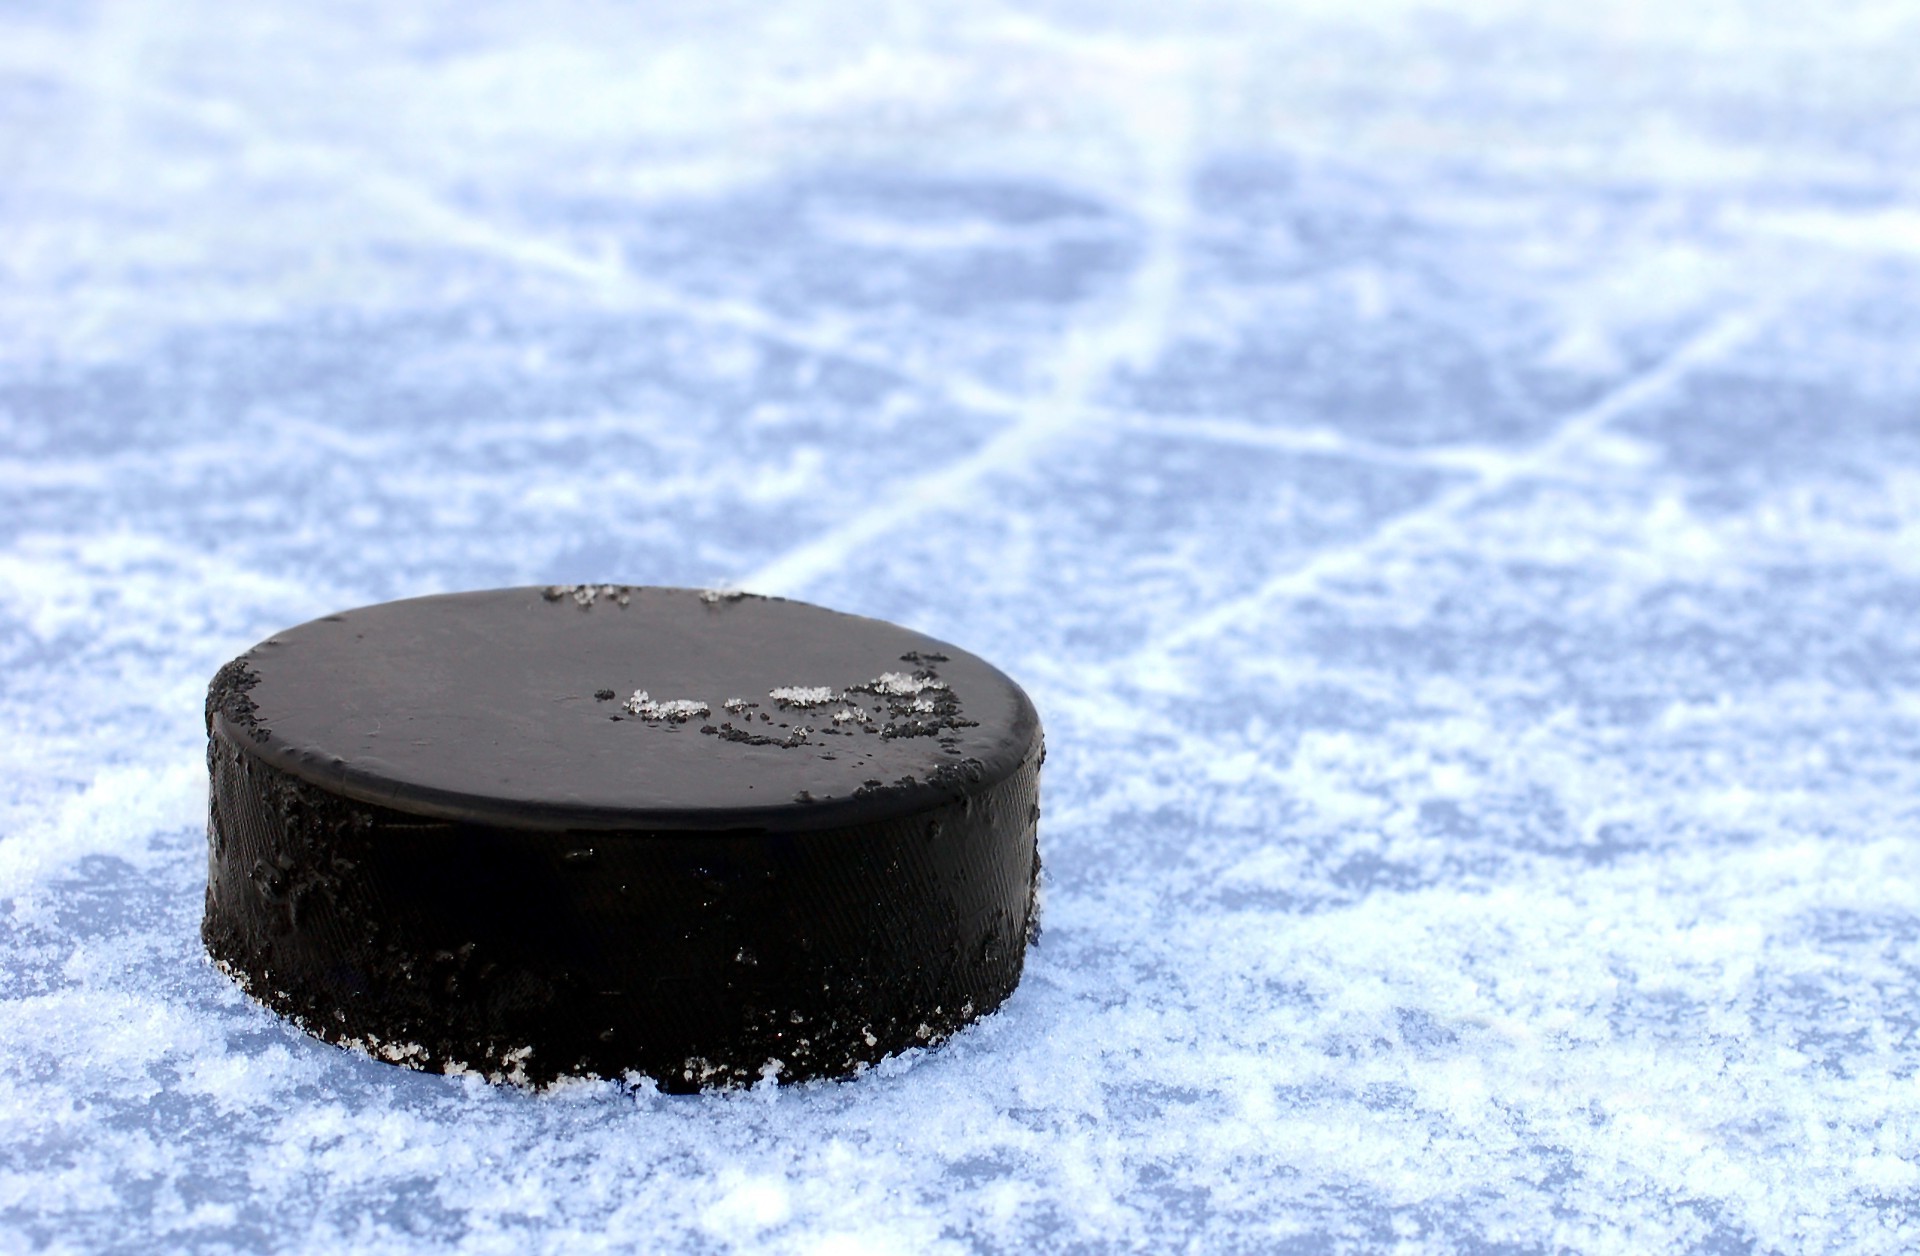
[676,710]
[803,695]
[903,684]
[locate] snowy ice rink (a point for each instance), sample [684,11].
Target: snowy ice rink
[1514,412]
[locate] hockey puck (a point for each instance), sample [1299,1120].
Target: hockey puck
[607,830]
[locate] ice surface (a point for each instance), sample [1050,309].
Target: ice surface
[1449,477]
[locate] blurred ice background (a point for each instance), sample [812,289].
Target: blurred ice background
[1449,477]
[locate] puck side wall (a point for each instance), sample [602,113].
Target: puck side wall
[695,957]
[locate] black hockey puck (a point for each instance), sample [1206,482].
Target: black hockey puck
[601,830]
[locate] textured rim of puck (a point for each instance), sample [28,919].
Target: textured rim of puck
[604,830]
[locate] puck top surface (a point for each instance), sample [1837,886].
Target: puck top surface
[625,707]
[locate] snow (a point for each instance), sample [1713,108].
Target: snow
[803,695]
[675,710]
[1449,480]
[901,684]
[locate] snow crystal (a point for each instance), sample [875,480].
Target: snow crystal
[803,696]
[902,685]
[678,710]
[1455,506]
[585,595]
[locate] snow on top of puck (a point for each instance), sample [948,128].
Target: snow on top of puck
[903,684]
[678,710]
[803,695]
